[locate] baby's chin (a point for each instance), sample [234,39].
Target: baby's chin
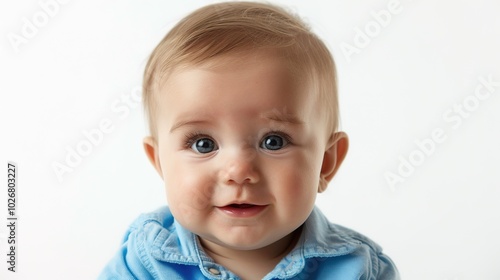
[243,243]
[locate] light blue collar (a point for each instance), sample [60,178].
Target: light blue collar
[319,238]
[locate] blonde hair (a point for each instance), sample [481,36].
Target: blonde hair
[231,27]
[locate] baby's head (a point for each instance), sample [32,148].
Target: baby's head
[214,33]
[242,105]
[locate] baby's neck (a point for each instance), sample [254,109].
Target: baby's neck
[252,264]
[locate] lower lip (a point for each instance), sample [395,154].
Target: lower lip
[243,212]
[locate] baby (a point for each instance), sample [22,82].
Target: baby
[242,105]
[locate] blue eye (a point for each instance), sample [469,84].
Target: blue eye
[273,142]
[203,145]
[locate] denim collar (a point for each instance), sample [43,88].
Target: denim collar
[319,239]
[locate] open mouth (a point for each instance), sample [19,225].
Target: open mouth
[241,206]
[242,210]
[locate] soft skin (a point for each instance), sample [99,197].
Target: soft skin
[263,142]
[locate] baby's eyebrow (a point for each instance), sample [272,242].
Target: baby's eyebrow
[283,117]
[272,116]
[186,122]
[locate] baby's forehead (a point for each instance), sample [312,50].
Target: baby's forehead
[262,80]
[299,74]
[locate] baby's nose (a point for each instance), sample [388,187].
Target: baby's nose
[241,169]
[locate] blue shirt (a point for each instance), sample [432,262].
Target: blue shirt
[157,247]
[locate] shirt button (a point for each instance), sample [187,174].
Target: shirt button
[214,271]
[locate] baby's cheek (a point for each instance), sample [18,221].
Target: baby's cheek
[190,193]
[301,183]
[188,207]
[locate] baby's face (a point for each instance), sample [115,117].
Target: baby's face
[240,147]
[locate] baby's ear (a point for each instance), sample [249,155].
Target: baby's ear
[151,149]
[335,153]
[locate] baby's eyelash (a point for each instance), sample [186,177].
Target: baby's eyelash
[281,133]
[191,137]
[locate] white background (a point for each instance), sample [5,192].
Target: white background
[76,69]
